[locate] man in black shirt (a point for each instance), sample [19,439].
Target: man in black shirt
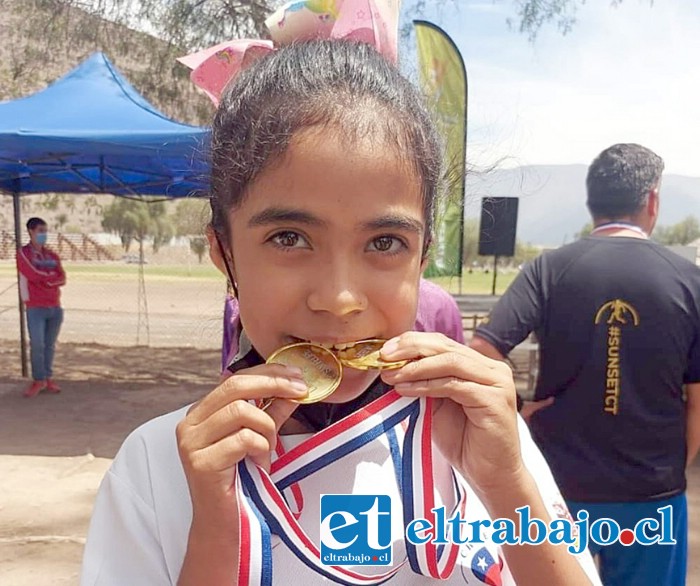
[618,321]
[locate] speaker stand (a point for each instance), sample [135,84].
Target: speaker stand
[495,272]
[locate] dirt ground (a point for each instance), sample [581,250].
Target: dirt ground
[54,449]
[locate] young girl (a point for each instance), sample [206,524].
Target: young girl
[325,173]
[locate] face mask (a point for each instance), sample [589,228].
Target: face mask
[41,238]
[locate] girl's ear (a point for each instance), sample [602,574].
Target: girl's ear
[215,251]
[424,264]
[426,255]
[217,254]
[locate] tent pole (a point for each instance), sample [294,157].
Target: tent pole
[20,304]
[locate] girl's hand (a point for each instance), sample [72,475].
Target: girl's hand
[474,415]
[223,428]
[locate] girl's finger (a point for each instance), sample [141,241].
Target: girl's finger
[258,382]
[412,345]
[468,394]
[228,420]
[228,451]
[417,344]
[462,365]
[280,410]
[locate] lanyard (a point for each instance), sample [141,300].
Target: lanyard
[263,509]
[619,226]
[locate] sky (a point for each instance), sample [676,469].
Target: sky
[623,74]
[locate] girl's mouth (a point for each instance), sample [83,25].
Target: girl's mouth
[364,354]
[325,344]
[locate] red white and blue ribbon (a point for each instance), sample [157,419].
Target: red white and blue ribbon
[418,493]
[292,493]
[255,534]
[264,510]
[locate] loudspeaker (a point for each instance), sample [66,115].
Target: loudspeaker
[499,220]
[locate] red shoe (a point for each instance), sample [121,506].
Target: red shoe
[52,387]
[35,388]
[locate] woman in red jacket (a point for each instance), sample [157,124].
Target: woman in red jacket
[41,277]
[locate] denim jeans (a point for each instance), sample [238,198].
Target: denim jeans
[43,324]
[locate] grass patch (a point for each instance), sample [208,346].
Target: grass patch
[87,271]
[110,271]
[476,283]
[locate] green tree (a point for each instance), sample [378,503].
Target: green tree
[530,15]
[60,221]
[682,233]
[586,229]
[470,249]
[161,228]
[191,216]
[51,201]
[687,230]
[138,220]
[198,245]
[90,205]
[122,219]
[524,252]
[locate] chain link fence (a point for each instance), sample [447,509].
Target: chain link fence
[121,303]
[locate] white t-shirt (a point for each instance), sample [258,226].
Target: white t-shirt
[140,524]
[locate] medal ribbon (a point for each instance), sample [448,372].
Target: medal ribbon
[262,507]
[255,533]
[293,491]
[419,497]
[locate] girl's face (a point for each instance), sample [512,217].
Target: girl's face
[327,247]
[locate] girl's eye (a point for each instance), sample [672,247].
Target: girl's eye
[387,244]
[289,239]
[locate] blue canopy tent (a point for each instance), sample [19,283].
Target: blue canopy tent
[92,132]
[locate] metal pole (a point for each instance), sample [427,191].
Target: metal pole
[20,304]
[464,175]
[495,271]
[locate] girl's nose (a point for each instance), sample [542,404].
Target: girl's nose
[337,292]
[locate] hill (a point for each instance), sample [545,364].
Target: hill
[44,39]
[552,206]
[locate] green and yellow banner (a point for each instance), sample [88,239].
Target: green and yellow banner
[444,81]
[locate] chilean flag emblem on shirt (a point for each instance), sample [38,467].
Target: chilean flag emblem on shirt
[485,568]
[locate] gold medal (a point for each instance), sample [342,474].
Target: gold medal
[364,355]
[320,368]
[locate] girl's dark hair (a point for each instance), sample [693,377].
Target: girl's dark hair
[316,84]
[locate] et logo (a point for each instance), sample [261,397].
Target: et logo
[355,530]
